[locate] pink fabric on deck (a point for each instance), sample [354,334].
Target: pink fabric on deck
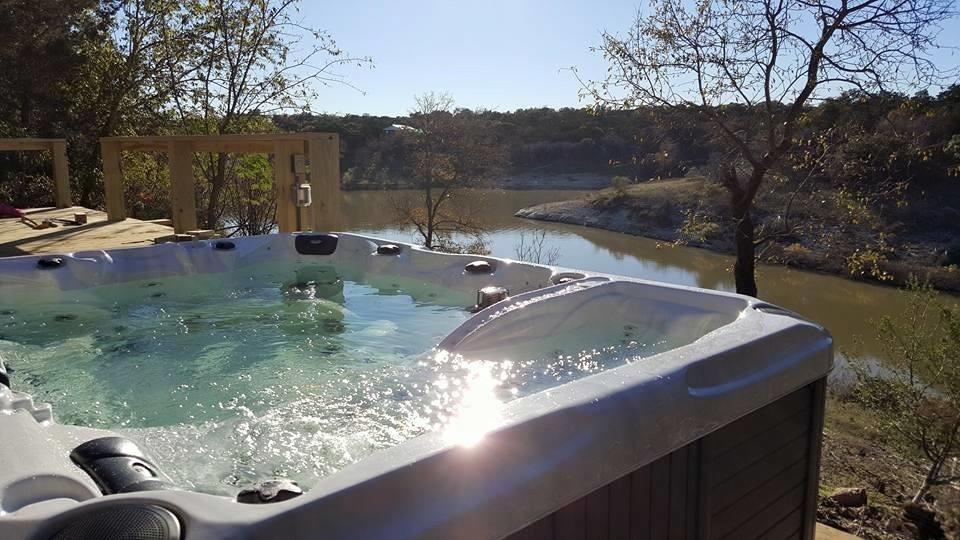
[7,211]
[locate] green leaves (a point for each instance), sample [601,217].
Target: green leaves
[916,397]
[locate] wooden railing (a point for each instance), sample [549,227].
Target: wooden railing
[61,170]
[320,150]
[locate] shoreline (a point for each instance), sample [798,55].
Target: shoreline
[623,220]
[581,181]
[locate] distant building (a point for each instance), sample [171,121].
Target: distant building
[394,128]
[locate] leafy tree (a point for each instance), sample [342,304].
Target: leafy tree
[448,151]
[918,401]
[42,55]
[110,67]
[247,62]
[126,86]
[146,185]
[751,68]
[42,63]
[135,74]
[249,198]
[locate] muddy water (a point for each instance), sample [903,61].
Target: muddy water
[847,308]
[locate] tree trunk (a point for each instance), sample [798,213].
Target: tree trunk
[87,153]
[216,189]
[932,474]
[744,268]
[428,194]
[937,466]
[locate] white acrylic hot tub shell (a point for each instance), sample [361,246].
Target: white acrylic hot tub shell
[550,447]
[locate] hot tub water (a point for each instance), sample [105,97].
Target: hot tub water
[292,370]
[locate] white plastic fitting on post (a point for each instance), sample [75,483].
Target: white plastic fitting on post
[304,195]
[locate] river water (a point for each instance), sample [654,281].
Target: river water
[847,308]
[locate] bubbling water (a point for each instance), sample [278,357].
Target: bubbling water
[293,370]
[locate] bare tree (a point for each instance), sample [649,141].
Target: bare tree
[770,58]
[534,249]
[448,151]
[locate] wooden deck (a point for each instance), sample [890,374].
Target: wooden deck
[18,238]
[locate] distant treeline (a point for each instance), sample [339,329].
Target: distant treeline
[855,138]
[867,142]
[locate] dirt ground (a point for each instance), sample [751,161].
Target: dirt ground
[855,456]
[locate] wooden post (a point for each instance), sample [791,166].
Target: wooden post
[182,186]
[112,181]
[323,173]
[283,184]
[306,212]
[61,174]
[324,155]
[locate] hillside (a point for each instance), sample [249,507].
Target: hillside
[816,230]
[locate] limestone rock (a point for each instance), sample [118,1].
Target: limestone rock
[850,497]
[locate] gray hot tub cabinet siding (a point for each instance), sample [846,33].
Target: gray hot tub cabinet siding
[754,478]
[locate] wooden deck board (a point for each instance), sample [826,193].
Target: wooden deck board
[17,238]
[825,532]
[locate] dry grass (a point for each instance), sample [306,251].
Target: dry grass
[823,230]
[679,191]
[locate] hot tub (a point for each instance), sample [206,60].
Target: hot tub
[412,394]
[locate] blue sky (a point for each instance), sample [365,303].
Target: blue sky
[495,54]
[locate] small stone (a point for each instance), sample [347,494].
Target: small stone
[894,525]
[848,513]
[849,497]
[270,491]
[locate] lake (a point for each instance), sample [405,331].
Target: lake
[845,307]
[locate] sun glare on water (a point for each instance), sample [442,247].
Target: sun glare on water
[475,408]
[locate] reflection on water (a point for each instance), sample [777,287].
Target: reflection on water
[469,406]
[844,307]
